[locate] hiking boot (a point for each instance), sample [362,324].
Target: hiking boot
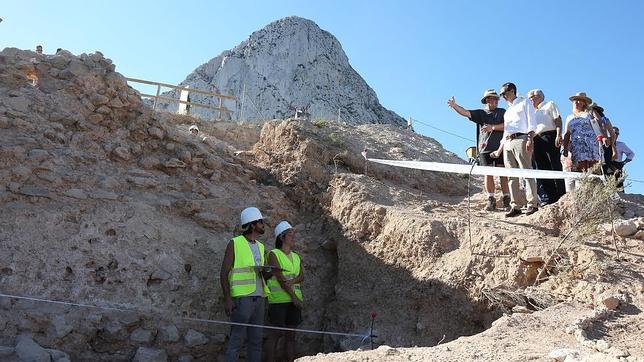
[513,213]
[506,202]
[491,204]
[531,210]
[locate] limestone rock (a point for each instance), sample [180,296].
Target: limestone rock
[289,63]
[76,193]
[116,103]
[563,354]
[37,155]
[639,235]
[28,350]
[130,320]
[98,99]
[141,335]
[61,327]
[168,334]
[156,132]
[520,309]
[212,163]
[150,162]
[194,338]
[103,110]
[610,302]
[387,351]
[602,345]
[95,118]
[20,104]
[147,354]
[185,156]
[103,195]
[34,191]
[160,274]
[77,68]
[122,153]
[174,163]
[58,356]
[625,227]
[113,331]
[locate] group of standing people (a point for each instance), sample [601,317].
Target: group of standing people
[531,134]
[250,276]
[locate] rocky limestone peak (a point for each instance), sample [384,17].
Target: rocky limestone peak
[291,63]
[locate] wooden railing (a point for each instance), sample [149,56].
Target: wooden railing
[158,97]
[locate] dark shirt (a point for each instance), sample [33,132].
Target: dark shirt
[485,141]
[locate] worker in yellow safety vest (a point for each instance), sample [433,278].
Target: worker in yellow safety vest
[285,299]
[242,278]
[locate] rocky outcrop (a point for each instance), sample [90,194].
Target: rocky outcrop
[291,63]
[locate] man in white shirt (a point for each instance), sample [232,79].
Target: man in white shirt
[622,149]
[547,142]
[616,166]
[519,125]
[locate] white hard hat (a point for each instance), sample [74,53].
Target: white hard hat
[250,214]
[282,227]
[193,127]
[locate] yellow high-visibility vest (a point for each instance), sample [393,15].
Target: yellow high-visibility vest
[243,278]
[290,270]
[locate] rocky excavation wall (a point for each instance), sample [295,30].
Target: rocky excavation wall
[107,204]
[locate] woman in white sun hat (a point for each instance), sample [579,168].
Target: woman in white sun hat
[285,298]
[582,132]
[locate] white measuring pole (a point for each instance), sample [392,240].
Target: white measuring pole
[183,96]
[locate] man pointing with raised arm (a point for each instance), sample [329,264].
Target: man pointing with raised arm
[489,124]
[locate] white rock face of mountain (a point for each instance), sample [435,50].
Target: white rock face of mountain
[291,63]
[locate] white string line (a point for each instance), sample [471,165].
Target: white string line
[214,321]
[471,140]
[480,170]
[442,130]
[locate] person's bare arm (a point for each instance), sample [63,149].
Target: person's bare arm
[460,110]
[226,266]
[566,142]
[498,152]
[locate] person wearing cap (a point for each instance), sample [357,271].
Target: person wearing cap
[582,133]
[194,130]
[489,124]
[285,298]
[547,143]
[520,127]
[242,283]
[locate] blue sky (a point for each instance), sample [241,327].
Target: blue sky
[414,54]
